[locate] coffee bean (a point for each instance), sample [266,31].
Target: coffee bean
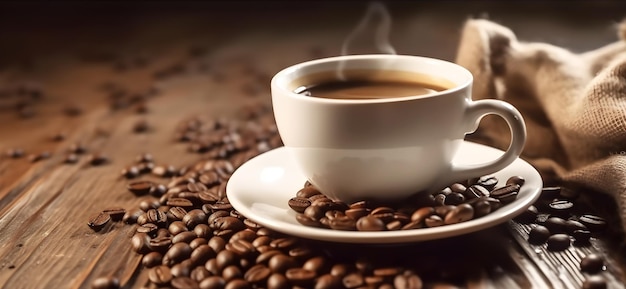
[180,202]
[572,225]
[581,237]
[488,182]
[149,228]
[194,217]
[106,283]
[299,276]
[156,217]
[257,274]
[456,188]
[353,280]
[280,263]
[184,237]
[176,253]
[550,192]
[370,223]
[517,180]
[97,159]
[433,221]
[594,282]
[328,281]
[460,213]
[140,243]
[152,259]
[160,275]
[591,264]
[299,204]
[212,282]
[556,225]
[146,205]
[558,242]
[71,159]
[184,283]
[160,243]
[594,223]
[343,223]
[238,284]
[116,213]
[15,153]
[476,191]
[561,207]
[506,194]
[278,281]
[454,199]
[538,235]
[98,221]
[407,280]
[140,187]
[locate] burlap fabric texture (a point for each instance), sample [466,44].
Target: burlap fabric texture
[574,104]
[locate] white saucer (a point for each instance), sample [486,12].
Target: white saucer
[261,188]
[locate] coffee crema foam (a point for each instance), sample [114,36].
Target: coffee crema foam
[369,84]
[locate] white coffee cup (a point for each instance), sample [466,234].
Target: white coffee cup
[388,148]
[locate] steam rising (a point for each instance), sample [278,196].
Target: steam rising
[377,20]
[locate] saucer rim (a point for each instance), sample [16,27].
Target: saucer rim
[531,191]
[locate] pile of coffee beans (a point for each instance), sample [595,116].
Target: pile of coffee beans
[558,224]
[459,202]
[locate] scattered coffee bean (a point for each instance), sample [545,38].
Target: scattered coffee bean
[558,242]
[594,223]
[591,264]
[71,158]
[538,235]
[140,187]
[116,213]
[98,221]
[106,283]
[97,159]
[594,282]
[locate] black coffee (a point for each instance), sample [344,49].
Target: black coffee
[363,84]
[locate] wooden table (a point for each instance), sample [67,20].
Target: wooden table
[120,79]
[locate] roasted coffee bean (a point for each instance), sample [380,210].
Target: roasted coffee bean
[538,235]
[594,282]
[226,258]
[257,274]
[106,283]
[307,221]
[558,242]
[476,191]
[488,182]
[264,257]
[160,275]
[328,281]
[199,273]
[179,202]
[201,254]
[573,225]
[15,153]
[140,187]
[356,213]
[440,200]
[160,243]
[97,159]
[307,192]
[217,243]
[280,263]
[184,237]
[227,223]
[408,280]
[299,204]
[98,221]
[457,188]
[556,225]
[156,217]
[506,194]
[344,223]
[581,237]
[454,199]
[116,213]
[148,228]
[594,223]
[231,272]
[176,253]
[481,206]
[194,217]
[561,207]
[300,277]
[184,283]
[182,269]
[421,214]
[370,223]
[197,242]
[146,205]
[213,282]
[130,172]
[460,213]
[176,214]
[591,264]
[177,227]
[238,284]
[353,280]
[433,221]
[158,190]
[517,180]
[140,243]
[152,259]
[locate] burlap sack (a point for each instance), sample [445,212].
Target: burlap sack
[574,105]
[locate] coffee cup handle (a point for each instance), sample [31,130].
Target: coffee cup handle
[475,111]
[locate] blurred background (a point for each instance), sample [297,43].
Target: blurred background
[32,30]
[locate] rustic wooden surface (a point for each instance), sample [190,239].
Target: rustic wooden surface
[73,51]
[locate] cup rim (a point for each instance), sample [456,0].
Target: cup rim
[293,68]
